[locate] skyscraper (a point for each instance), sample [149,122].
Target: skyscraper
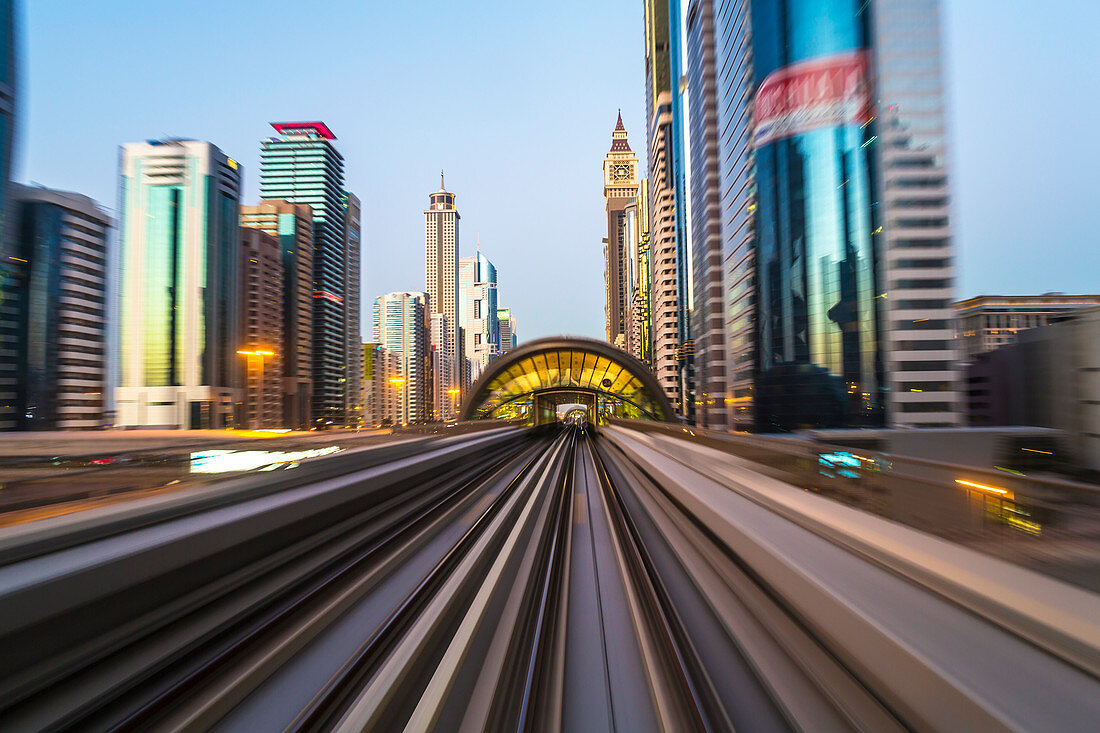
[180,286]
[508,337]
[10,271]
[59,252]
[439,345]
[353,393]
[620,185]
[915,249]
[836,238]
[682,95]
[292,225]
[735,85]
[441,267]
[477,311]
[400,325]
[707,313]
[261,343]
[303,166]
[641,328]
[663,254]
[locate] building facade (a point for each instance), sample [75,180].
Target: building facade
[477,286]
[401,325]
[735,88]
[620,185]
[180,324]
[292,225]
[262,339]
[10,272]
[380,365]
[639,318]
[1049,377]
[441,220]
[836,245]
[59,254]
[915,247]
[707,312]
[303,166]
[353,392]
[989,322]
[663,257]
[443,395]
[508,338]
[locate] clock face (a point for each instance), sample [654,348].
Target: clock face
[621,172]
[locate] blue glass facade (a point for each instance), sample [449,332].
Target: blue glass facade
[818,356]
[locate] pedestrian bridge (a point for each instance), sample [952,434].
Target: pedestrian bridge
[529,383]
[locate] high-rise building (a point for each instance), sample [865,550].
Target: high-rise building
[8,79]
[734,88]
[58,310]
[507,321]
[262,339]
[835,234]
[682,102]
[353,394]
[663,256]
[292,225]
[640,313]
[989,322]
[180,325]
[303,166]
[441,267]
[380,366]
[477,311]
[401,325]
[620,185]
[915,248]
[442,394]
[10,271]
[707,313]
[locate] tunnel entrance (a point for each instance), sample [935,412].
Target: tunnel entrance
[529,383]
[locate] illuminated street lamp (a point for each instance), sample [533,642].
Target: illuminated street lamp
[257,356]
[454,392]
[398,383]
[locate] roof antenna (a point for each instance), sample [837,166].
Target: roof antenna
[441,186]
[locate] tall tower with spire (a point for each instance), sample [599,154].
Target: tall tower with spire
[620,186]
[441,273]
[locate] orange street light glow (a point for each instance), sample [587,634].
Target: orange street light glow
[983,487]
[255,353]
[453,391]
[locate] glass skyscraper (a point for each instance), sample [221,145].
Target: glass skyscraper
[10,271]
[819,355]
[180,286]
[303,166]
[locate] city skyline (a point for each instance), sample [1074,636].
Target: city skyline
[392,191]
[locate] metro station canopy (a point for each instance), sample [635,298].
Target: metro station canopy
[620,384]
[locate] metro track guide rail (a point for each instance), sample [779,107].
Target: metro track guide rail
[506,581]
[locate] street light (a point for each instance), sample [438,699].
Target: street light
[398,383]
[454,392]
[257,357]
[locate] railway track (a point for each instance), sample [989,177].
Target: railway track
[505,581]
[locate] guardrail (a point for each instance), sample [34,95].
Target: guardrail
[1045,522]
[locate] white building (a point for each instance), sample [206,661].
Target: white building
[441,265]
[915,245]
[180,301]
[439,340]
[400,325]
[477,278]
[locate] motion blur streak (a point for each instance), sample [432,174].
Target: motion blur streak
[566,577]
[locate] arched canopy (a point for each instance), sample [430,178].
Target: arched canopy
[620,382]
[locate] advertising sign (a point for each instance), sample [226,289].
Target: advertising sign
[810,95]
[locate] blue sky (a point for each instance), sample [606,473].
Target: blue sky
[516,101]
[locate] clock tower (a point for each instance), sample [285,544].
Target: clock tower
[620,186]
